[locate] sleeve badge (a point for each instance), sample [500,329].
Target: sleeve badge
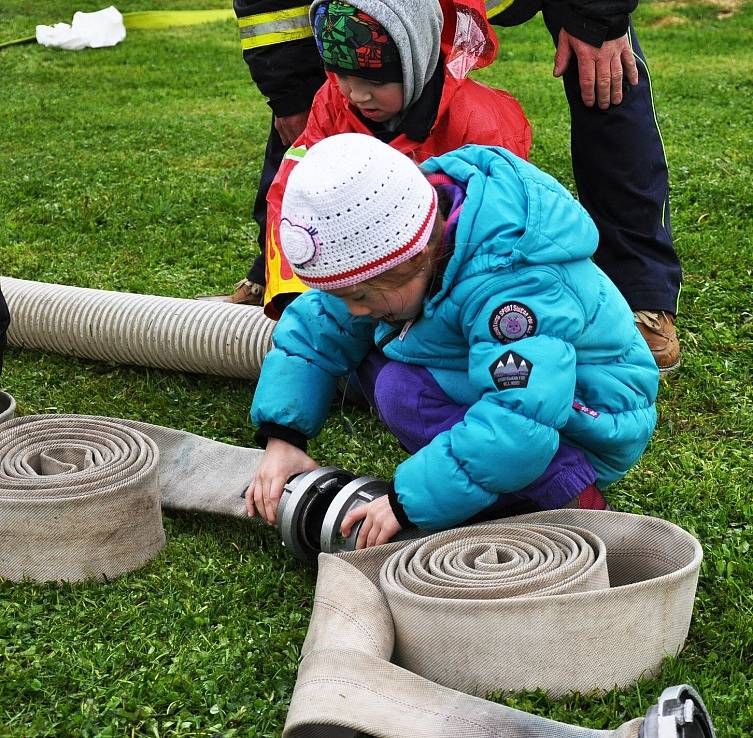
[512,321]
[511,371]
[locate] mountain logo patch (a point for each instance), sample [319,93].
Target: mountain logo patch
[511,371]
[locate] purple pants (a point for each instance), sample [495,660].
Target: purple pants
[413,406]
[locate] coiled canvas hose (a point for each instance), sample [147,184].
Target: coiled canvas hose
[562,600]
[80,495]
[147,330]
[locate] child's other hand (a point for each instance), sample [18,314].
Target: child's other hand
[379,523]
[280,461]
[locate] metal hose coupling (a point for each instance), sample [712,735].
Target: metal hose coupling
[313,506]
[679,713]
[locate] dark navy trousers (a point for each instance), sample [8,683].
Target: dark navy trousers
[622,179]
[273,154]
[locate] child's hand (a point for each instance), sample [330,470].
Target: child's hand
[379,523]
[280,461]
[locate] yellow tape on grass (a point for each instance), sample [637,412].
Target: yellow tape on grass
[156,19]
[151,19]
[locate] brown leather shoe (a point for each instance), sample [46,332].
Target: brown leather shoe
[658,328]
[246,293]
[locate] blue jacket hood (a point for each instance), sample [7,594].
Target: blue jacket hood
[504,191]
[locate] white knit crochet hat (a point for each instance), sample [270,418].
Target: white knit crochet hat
[353,208]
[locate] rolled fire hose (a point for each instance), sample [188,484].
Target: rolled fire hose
[147,330]
[402,635]
[80,495]
[563,600]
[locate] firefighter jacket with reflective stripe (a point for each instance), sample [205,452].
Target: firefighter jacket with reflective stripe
[279,48]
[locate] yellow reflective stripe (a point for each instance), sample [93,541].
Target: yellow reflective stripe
[275,15]
[279,26]
[265,29]
[276,38]
[495,7]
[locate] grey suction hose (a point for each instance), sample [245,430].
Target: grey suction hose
[147,330]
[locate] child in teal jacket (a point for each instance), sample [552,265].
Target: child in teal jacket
[471,286]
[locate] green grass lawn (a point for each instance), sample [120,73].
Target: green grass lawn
[134,168]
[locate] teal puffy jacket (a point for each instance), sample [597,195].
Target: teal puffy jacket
[525,328]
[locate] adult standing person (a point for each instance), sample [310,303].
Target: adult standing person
[617,152]
[618,157]
[279,48]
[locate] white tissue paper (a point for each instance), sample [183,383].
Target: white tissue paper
[93,30]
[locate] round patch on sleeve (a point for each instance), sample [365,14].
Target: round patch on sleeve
[512,321]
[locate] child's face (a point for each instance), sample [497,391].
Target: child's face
[377,101]
[385,298]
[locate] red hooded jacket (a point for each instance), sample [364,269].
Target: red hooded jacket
[469,113]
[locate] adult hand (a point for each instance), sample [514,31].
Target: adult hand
[600,70]
[280,461]
[379,523]
[291,126]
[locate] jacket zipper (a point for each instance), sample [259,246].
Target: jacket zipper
[387,338]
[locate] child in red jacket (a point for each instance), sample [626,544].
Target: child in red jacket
[397,70]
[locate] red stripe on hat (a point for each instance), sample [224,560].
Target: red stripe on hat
[373,264]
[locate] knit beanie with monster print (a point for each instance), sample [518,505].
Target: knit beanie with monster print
[384,40]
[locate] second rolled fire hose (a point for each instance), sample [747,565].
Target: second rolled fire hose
[400,634]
